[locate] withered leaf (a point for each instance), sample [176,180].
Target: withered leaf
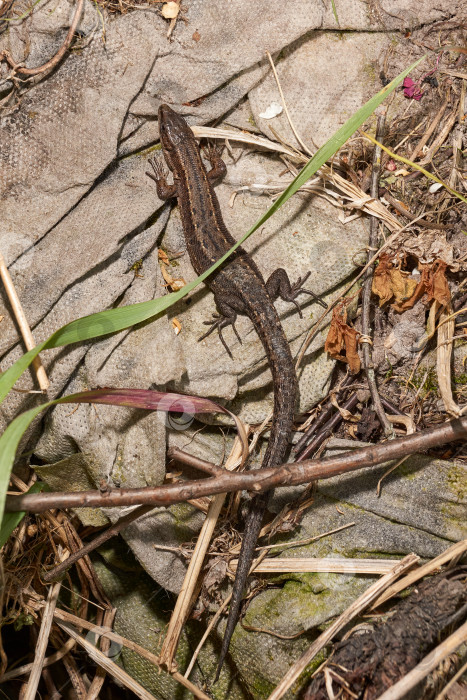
[342,340]
[390,281]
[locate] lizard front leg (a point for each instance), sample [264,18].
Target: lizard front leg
[278,285]
[164,190]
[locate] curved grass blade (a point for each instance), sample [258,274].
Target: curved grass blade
[136,398]
[113,320]
[416,166]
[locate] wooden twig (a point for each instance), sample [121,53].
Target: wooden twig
[256,480]
[367,363]
[323,417]
[352,611]
[97,541]
[18,68]
[22,322]
[326,430]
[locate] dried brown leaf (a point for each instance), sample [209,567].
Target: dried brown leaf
[342,340]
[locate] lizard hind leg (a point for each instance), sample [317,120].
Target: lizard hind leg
[228,308]
[279,285]
[219,321]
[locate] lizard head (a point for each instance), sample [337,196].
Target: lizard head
[173,129]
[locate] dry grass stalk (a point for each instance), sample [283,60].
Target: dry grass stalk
[427,665]
[22,322]
[443,359]
[424,140]
[453,680]
[452,553]
[284,104]
[338,565]
[352,611]
[129,644]
[441,138]
[42,642]
[184,600]
[104,662]
[357,198]
[216,617]
[53,658]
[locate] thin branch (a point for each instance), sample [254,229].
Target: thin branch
[18,68]
[256,480]
[97,541]
[368,367]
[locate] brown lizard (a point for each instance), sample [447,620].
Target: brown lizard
[239,288]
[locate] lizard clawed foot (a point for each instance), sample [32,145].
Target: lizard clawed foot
[221,322]
[297,289]
[160,172]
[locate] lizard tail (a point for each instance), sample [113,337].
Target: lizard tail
[253,523]
[269,330]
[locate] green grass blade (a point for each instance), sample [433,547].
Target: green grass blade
[113,320]
[145,399]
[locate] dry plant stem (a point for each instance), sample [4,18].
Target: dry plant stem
[97,541]
[323,417]
[352,611]
[256,480]
[455,678]
[53,658]
[22,322]
[453,552]
[440,139]
[368,367]
[111,635]
[408,214]
[58,56]
[206,634]
[327,429]
[315,565]
[42,642]
[444,348]
[424,140]
[216,617]
[427,665]
[182,606]
[284,104]
[104,662]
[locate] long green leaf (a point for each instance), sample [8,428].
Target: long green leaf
[136,398]
[105,322]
